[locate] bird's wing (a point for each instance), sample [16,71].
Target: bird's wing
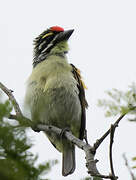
[81,86]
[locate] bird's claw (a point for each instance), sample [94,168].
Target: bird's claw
[34,128]
[63,131]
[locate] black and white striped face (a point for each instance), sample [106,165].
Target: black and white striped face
[44,43]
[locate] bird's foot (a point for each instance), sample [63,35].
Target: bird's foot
[34,128]
[63,131]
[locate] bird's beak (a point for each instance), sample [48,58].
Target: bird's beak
[63,36]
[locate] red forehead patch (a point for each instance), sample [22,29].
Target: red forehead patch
[56,28]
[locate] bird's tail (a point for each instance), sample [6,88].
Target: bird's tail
[68,161]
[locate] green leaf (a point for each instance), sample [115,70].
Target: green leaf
[120,102]
[134,159]
[16,160]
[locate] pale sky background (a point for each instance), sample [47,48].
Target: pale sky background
[103,46]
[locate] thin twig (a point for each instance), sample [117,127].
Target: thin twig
[112,131]
[128,167]
[12,99]
[99,141]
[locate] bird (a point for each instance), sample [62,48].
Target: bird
[55,92]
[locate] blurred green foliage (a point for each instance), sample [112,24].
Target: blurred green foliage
[16,161]
[134,160]
[97,178]
[120,102]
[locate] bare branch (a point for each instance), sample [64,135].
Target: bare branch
[112,131]
[99,141]
[12,99]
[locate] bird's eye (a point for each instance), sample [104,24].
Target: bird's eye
[48,34]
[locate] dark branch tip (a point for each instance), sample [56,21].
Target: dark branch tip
[96,160]
[11,90]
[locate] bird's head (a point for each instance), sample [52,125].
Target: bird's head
[52,41]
